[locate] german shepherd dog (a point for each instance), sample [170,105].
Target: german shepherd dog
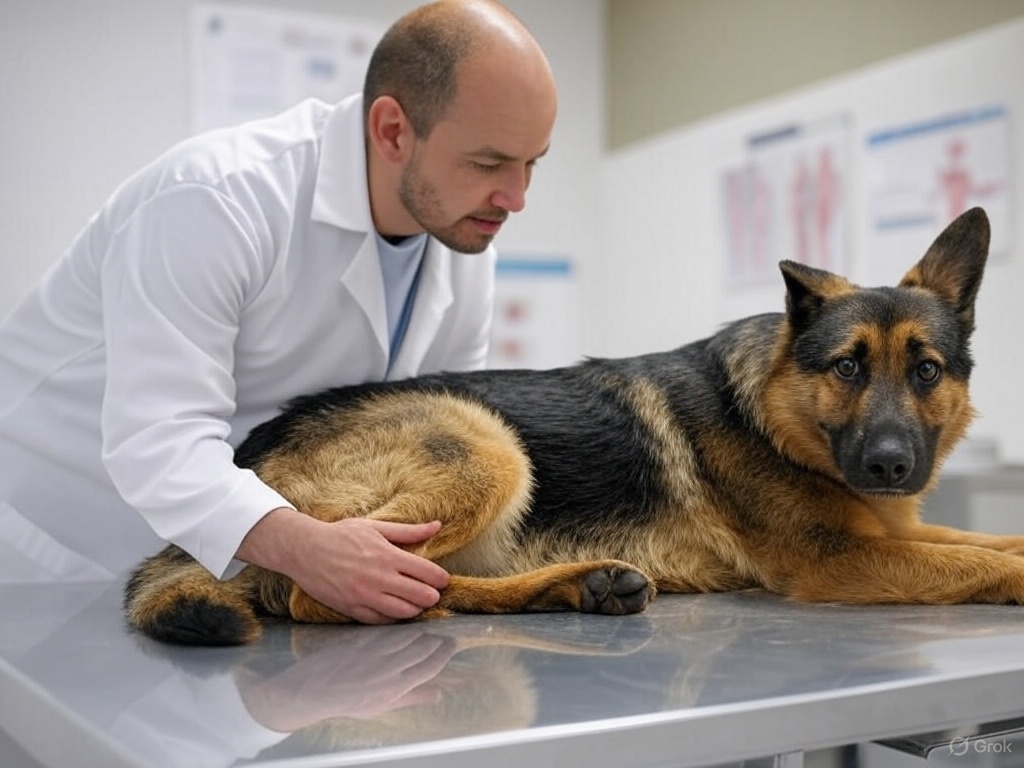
[787,451]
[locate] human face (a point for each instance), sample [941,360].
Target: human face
[463,180]
[471,232]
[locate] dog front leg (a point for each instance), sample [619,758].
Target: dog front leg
[940,534]
[888,571]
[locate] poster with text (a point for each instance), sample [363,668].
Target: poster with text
[921,176]
[250,63]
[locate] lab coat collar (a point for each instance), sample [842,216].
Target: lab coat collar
[342,200]
[341,197]
[364,282]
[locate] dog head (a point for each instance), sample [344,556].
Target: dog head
[878,376]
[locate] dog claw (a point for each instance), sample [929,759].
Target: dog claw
[615,591]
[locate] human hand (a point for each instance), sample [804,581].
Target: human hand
[361,570]
[362,675]
[356,566]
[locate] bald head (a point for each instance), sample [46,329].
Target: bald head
[421,60]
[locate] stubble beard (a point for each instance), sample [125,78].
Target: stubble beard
[421,199]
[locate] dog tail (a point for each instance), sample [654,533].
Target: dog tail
[172,598]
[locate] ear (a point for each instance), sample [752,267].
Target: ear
[954,264]
[807,290]
[388,129]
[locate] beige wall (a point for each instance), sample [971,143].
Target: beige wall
[672,62]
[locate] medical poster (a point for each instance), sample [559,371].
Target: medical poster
[920,176]
[534,322]
[787,201]
[250,63]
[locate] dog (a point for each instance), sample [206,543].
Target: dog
[787,451]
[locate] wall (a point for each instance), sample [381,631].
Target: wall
[671,62]
[92,91]
[662,212]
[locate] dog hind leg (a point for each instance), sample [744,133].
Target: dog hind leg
[608,587]
[464,467]
[478,485]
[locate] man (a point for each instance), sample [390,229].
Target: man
[329,245]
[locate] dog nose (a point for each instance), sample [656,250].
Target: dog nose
[888,461]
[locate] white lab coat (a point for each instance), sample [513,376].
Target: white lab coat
[234,273]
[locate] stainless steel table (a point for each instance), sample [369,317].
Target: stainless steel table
[694,681]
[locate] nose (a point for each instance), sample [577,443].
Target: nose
[888,461]
[511,195]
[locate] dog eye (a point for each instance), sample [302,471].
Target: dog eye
[846,367]
[928,371]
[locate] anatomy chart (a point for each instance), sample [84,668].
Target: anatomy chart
[787,202]
[922,175]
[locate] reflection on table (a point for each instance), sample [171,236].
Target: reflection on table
[313,690]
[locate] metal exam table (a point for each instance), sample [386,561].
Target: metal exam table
[694,681]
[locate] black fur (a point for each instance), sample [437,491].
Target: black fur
[590,454]
[199,622]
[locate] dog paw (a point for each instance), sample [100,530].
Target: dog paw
[616,590]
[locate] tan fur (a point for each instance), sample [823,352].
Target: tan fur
[704,556]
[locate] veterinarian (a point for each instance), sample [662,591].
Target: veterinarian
[330,245]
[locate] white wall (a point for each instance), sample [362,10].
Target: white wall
[662,273]
[93,90]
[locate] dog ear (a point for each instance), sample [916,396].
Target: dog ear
[954,264]
[807,290]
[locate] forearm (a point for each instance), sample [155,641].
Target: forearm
[276,541]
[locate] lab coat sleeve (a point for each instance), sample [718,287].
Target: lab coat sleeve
[175,280]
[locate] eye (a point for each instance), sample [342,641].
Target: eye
[846,367]
[928,371]
[486,167]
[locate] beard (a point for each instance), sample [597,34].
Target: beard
[422,200]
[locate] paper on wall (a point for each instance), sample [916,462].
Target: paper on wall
[920,176]
[250,63]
